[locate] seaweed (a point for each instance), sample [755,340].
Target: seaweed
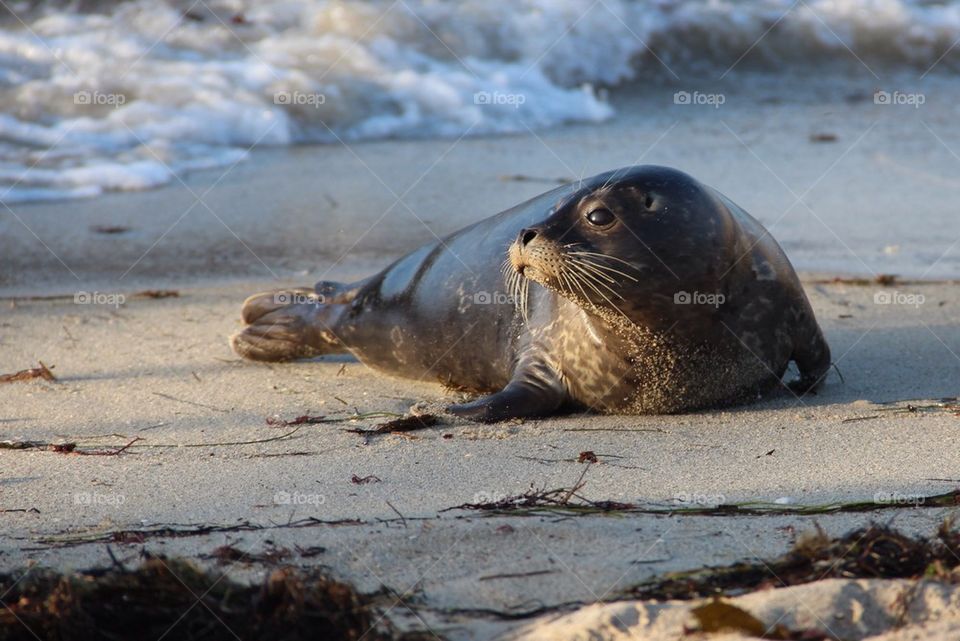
[168,598]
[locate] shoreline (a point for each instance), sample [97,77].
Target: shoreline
[837,207]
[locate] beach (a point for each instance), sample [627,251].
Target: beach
[141,435]
[158,374]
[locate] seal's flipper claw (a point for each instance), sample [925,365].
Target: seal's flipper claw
[813,361]
[503,406]
[265,302]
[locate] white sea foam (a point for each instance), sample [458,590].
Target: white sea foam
[135,96]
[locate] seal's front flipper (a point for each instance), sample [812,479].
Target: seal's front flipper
[535,390]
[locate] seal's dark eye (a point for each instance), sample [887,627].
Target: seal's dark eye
[601,217]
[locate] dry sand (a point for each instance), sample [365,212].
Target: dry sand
[161,371]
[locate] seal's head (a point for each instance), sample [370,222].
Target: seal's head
[626,243]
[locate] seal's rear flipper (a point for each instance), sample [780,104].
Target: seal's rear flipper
[812,356]
[535,390]
[298,330]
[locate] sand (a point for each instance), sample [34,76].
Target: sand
[160,370]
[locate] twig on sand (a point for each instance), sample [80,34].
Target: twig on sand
[156,293]
[27,374]
[399,425]
[516,575]
[71,448]
[535,502]
[403,519]
[615,429]
[577,485]
[854,419]
[195,404]
[64,448]
[307,419]
[919,406]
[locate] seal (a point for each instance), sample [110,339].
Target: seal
[636,291]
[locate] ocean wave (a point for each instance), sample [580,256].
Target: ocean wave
[131,95]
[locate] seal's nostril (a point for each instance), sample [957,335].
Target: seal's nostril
[526,235]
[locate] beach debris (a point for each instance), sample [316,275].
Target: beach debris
[310,552]
[949,404]
[824,136]
[27,374]
[306,419]
[65,448]
[855,419]
[156,293]
[403,519]
[717,616]
[179,531]
[363,480]
[535,502]
[876,551]
[885,280]
[587,457]
[229,554]
[109,229]
[159,598]
[186,402]
[517,575]
[400,425]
